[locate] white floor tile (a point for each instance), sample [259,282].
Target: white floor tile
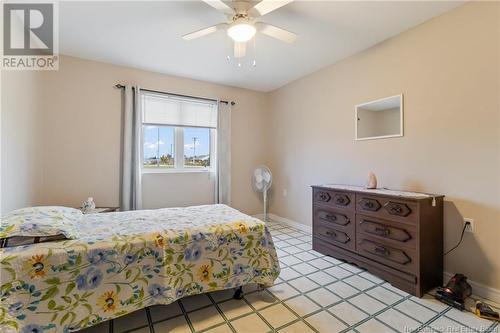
[291,249]
[338,272]
[305,256]
[224,328]
[371,277]
[304,268]
[294,241]
[348,313]
[234,308]
[332,260]
[321,278]
[430,302]
[283,291]
[277,315]
[416,311]
[251,323]
[323,297]
[288,274]
[303,284]
[443,324]
[469,319]
[204,318]
[290,260]
[359,282]
[302,305]
[384,295]
[320,263]
[351,268]
[325,322]
[373,326]
[304,246]
[398,321]
[367,304]
[261,299]
[298,327]
[342,289]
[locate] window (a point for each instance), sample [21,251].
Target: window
[159,146]
[178,133]
[196,147]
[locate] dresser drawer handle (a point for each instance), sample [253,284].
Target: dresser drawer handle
[331,217]
[383,251]
[323,197]
[382,231]
[331,233]
[396,209]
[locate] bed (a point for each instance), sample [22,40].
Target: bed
[124,261]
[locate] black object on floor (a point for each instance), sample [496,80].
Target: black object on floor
[455,292]
[238,293]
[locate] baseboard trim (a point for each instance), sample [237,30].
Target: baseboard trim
[291,223]
[478,289]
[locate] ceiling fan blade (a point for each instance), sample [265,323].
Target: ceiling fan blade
[275,32]
[266,6]
[204,32]
[219,5]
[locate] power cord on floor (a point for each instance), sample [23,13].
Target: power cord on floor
[460,241]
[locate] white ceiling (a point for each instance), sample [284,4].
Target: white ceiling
[147,35]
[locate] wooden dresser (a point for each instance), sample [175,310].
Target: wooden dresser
[397,236]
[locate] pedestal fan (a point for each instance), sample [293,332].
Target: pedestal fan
[261,182]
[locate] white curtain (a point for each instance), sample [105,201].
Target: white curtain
[223,190]
[131,188]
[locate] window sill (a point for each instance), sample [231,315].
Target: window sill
[170,171]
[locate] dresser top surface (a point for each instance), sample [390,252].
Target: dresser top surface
[380,191]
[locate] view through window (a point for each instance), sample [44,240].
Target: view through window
[178,133]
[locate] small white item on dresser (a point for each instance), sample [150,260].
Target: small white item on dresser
[371,183]
[88,205]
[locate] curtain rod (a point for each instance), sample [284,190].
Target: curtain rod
[121,86]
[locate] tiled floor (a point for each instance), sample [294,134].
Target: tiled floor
[314,293]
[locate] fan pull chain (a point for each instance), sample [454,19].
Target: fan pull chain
[254,63]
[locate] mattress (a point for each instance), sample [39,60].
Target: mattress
[125,261]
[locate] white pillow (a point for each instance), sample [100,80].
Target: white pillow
[40,221]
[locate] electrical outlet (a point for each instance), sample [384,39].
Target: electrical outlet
[470,227]
[285,192]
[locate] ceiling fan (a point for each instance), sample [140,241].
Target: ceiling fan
[244,24]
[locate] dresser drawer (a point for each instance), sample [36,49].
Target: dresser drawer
[399,258]
[398,234]
[334,235]
[387,208]
[335,218]
[336,199]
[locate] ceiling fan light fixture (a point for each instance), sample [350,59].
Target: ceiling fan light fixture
[241,31]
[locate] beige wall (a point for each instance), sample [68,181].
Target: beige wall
[21,165]
[78,131]
[447,70]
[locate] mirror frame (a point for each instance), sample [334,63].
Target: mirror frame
[401,120]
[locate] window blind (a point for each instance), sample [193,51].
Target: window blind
[164,109]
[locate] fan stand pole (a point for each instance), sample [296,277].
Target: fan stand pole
[266,219]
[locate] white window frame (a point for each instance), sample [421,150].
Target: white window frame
[179,152]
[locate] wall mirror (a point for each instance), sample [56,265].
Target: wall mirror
[379,119]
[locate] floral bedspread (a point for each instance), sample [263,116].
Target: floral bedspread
[125,261]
